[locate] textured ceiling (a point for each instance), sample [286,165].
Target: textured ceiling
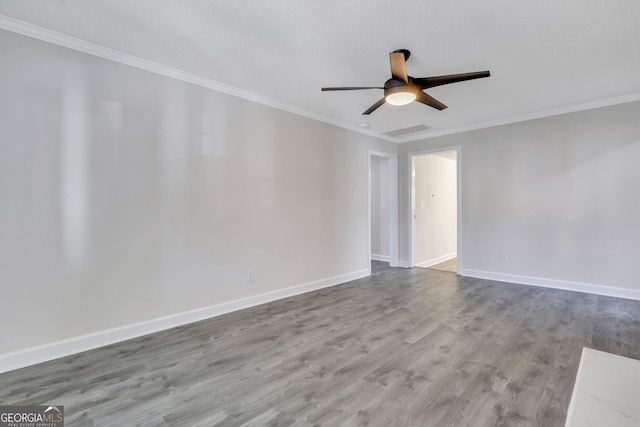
[542,55]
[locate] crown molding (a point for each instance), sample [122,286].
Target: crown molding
[80,45]
[632,97]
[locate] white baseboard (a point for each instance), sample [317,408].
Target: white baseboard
[588,288]
[377,257]
[438,260]
[43,353]
[404,264]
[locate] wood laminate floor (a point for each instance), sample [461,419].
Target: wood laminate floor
[449,265]
[404,347]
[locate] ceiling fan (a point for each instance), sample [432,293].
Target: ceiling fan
[402,89]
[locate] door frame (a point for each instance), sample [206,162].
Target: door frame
[412,199]
[392,203]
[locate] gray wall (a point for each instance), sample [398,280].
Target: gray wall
[126,196]
[559,194]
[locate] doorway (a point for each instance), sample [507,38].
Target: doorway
[435,209]
[383,210]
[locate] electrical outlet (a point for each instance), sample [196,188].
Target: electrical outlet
[504,256]
[250,275]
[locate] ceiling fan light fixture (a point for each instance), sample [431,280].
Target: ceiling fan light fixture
[401,98]
[399,93]
[402,89]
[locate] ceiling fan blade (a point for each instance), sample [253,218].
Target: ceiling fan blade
[398,66]
[427,82]
[374,107]
[325,89]
[423,98]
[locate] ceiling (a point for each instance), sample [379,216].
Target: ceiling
[543,55]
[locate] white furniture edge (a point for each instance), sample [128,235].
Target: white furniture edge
[572,403]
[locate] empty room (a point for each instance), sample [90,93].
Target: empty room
[303,213]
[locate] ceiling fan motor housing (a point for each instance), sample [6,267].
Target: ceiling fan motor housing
[402,89]
[392,86]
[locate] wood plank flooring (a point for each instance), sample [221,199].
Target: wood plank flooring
[404,347]
[449,265]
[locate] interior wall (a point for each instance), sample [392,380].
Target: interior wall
[557,194]
[379,208]
[435,221]
[127,196]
